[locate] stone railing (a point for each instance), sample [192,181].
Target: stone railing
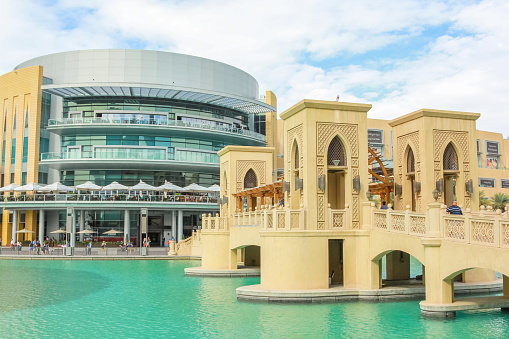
[488,229]
[338,219]
[404,222]
[214,223]
[269,218]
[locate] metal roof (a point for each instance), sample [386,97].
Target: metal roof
[246,105]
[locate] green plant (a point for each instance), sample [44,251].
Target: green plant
[499,201]
[483,200]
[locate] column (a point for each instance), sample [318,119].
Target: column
[82,224]
[14,225]
[41,225]
[73,229]
[127,223]
[173,224]
[180,226]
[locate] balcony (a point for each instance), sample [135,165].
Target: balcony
[132,158]
[225,133]
[110,201]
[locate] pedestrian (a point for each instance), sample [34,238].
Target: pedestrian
[12,244]
[384,206]
[103,246]
[89,248]
[454,209]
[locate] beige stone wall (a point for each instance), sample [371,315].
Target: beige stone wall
[503,171]
[20,91]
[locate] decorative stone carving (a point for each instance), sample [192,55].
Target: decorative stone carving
[326,131]
[417,225]
[296,134]
[442,138]
[321,207]
[244,165]
[398,222]
[455,229]
[483,231]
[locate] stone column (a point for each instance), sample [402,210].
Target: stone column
[173,224]
[180,226]
[82,224]
[127,224]
[15,225]
[41,225]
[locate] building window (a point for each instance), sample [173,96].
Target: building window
[486,182]
[250,180]
[336,155]
[410,162]
[450,158]
[492,154]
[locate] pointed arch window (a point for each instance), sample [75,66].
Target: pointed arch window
[250,180]
[297,157]
[336,155]
[450,160]
[410,162]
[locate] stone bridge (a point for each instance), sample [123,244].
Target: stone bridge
[302,258]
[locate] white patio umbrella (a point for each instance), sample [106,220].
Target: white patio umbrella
[215,188]
[115,186]
[28,187]
[58,231]
[112,232]
[25,231]
[142,186]
[86,232]
[9,188]
[196,188]
[88,186]
[169,187]
[56,187]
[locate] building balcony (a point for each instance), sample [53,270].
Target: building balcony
[110,201]
[132,158]
[225,133]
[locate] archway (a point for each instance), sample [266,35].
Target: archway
[451,171]
[295,166]
[399,268]
[410,194]
[336,173]
[249,256]
[466,280]
[250,181]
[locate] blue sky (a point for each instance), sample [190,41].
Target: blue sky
[398,55]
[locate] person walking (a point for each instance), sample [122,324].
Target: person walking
[454,209]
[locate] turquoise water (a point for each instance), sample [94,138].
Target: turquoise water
[116,299]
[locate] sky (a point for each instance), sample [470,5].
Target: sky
[398,55]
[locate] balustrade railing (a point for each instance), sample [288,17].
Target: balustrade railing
[110,198]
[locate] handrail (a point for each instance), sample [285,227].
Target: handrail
[156,122]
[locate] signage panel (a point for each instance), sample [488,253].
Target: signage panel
[492,147]
[375,136]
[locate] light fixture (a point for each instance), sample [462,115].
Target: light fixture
[435,194]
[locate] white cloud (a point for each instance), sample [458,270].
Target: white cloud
[285,44]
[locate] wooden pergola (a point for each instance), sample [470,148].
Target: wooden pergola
[386,184]
[273,190]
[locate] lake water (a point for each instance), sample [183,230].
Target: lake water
[116,299]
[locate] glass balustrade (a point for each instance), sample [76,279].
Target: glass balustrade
[156,122]
[134,154]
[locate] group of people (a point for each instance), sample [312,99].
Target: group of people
[146,242]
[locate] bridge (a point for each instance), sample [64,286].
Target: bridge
[316,229]
[446,245]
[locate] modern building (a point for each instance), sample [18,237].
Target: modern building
[124,116]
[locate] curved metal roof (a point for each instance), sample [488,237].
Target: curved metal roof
[231,101]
